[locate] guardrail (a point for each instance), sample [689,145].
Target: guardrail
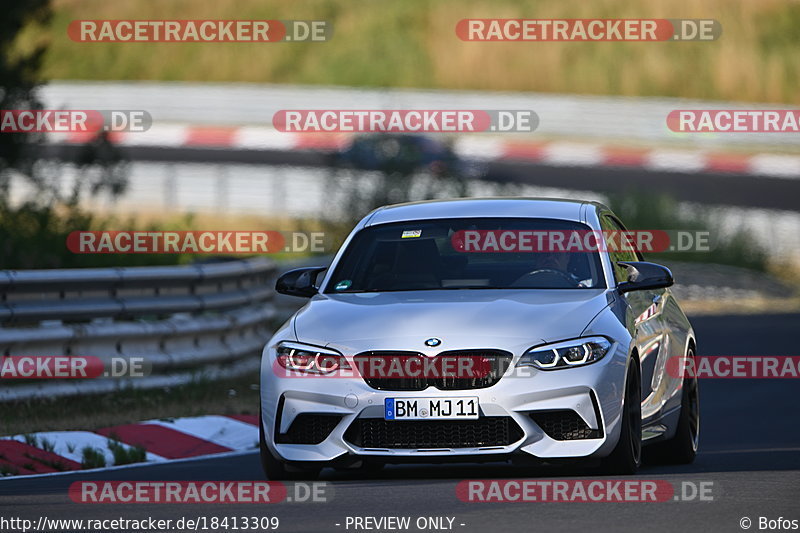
[206,321]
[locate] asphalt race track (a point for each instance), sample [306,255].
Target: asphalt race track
[750,450]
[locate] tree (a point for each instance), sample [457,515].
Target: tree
[33,229]
[19,77]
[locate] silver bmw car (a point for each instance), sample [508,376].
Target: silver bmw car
[445,331]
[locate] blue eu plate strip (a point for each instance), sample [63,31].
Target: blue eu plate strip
[388,405]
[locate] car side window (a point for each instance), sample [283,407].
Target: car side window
[611,226]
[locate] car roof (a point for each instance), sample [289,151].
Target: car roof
[511,207]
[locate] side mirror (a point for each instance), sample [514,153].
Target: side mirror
[643,275]
[299,282]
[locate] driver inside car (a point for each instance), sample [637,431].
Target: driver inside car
[557,262]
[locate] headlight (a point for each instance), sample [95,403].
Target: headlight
[566,354]
[310,359]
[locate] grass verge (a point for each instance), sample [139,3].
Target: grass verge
[379,43]
[225,397]
[640,210]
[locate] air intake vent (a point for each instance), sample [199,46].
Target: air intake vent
[486,431]
[564,425]
[309,428]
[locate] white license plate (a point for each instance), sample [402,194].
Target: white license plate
[430,408]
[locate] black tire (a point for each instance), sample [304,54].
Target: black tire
[627,455]
[682,448]
[277,470]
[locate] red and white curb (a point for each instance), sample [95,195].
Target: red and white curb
[554,153]
[164,440]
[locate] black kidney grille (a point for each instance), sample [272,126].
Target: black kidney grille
[495,361]
[483,432]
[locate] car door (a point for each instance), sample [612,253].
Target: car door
[645,318]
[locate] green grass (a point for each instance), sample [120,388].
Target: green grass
[47,445]
[124,455]
[381,43]
[34,236]
[92,458]
[54,463]
[8,470]
[93,412]
[640,210]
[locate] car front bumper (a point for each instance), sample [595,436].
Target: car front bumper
[593,391]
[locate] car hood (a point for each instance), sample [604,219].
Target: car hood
[503,319]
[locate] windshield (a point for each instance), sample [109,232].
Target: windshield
[483,253]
